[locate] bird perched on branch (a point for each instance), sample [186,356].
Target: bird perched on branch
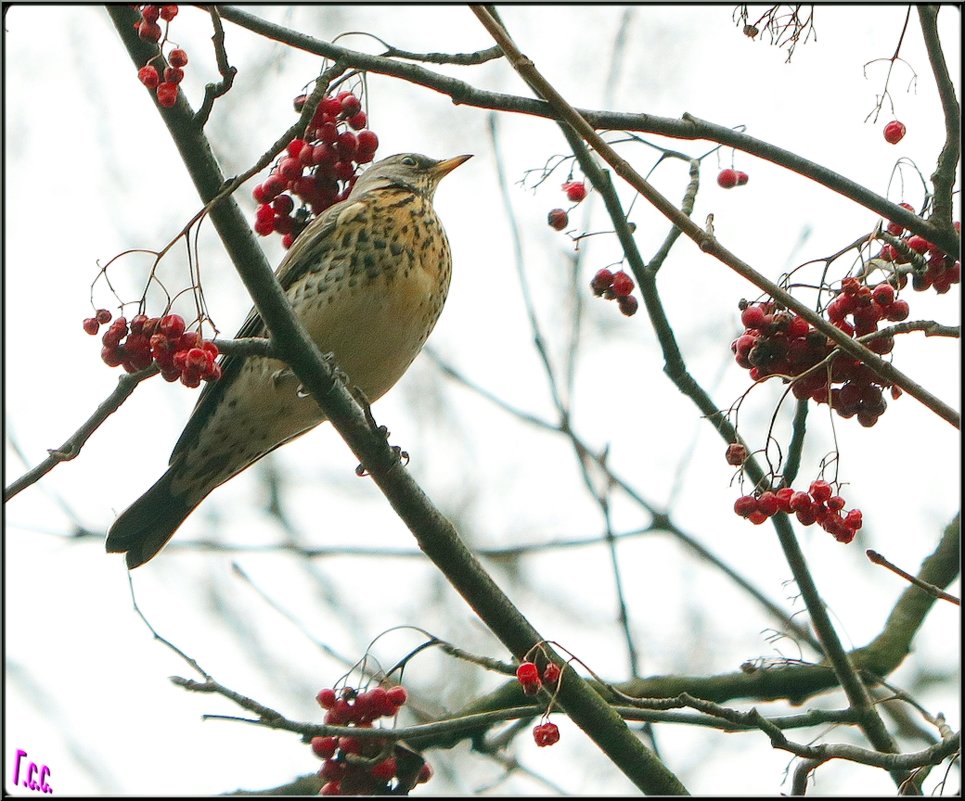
[367,279]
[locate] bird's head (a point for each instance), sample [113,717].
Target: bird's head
[407,170]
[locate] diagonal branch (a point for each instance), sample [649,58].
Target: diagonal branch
[435,534]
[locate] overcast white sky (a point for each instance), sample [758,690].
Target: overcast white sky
[90,171]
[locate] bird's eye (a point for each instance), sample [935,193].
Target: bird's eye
[409,161]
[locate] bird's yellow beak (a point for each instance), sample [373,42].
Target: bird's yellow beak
[446,166]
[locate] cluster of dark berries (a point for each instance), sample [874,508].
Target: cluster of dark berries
[728,178]
[529,677]
[166,83]
[780,343]
[575,191]
[930,267]
[894,132]
[319,169]
[178,353]
[615,286]
[818,505]
[356,765]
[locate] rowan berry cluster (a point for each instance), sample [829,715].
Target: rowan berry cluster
[179,354]
[165,84]
[776,342]
[930,267]
[818,505]
[575,192]
[615,286]
[529,677]
[357,765]
[319,169]
[729,178]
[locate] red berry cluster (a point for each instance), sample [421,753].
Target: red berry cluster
[615,286]
[894,132]
[780,343]
[350,762]
[178,353]
[817,505]
[528,675]
[575,191]
[165,85]
[728,178]
[319,169]
[930,267]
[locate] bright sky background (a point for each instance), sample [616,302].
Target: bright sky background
[90,171]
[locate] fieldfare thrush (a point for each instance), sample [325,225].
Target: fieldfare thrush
[368,279]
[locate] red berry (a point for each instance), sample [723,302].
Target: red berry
[150,13]
[853,519]
[820,490]
[622,284]
[347,145]
[768,504]
[368,141]
[167,94]
[148,76]
[736,454]
[575,191]
[753,317]
[358,121]
[103,316]
[746,505]
[149,31]
[385,770]
[172,326]
[324,747]
[546,734]
[173,74]
[727,179]
[742,178]
[91,326]
[797,327]
[169,12]
[551,674]
[527,673]
[628,305]
[783,496]
[800,502]
[425,773]
[397,696]
[349,104]
[894,132]
[898,311]
[177,57]
[601,282]
[558,219]
[883,294]
[918,244]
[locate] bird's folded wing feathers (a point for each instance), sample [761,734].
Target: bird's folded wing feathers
[298,259]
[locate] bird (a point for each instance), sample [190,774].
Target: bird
[367,278]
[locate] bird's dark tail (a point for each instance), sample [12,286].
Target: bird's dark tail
[146,525]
